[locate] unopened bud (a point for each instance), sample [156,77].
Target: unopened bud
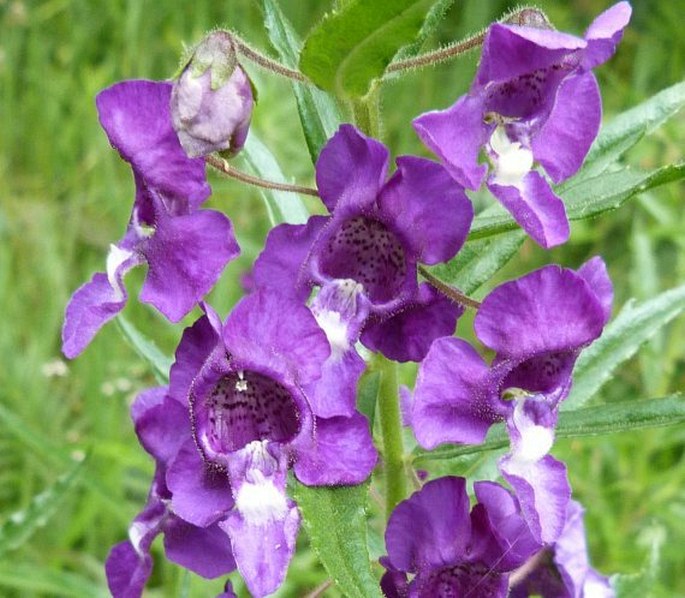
[211,103]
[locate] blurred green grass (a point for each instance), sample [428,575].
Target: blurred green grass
[65,195]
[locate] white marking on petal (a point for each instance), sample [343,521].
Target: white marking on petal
[115,259]
[336,332]
[241,383]
[261,502]
[136,532]
[536,441]
[513,161]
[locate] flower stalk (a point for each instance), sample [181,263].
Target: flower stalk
[449,291]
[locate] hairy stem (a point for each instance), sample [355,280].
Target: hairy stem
[366,112]
[391,431]
[265,62]
[529,16]
[225,168]
[450,292]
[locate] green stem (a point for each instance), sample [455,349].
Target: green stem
[391,431]
[366,112]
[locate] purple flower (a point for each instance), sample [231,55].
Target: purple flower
[536,325]
[534,99]
[562,570]
[449,551]
[244,382]
[185,248]
[162,425]
[211,102]
[377,233]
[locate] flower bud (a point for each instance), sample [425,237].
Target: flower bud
[211,102]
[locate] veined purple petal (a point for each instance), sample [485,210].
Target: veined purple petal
[127,571]
[282,264]
[594,271]
[456,136]
[137,120]
[282,332]
[186,255]
[453,400]
[430,529]
[536,208]
[201,493]
[205,551]
[162,427]
[335,392]
[407,335]
[605,33]
[564,139]
[97,301]
[423,201]
[543,492]
[549,310]
[341,452]
[351,170]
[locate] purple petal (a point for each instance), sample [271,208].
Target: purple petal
[186,255]
[605,33]
[335,392]
[127,571]
[341,452]
[543,492]
[351,169]
[162,428]
[282,263]
[551,309]
[205,551]
[423,202]
[197,344]
[137,119]
[95,303]
[394,583]
[566,136]
[510,51]
[536,208]
[407,335]
[456,136]
[594,272]
[281,333]
[263,552]
[201,494]
[453,401]
[431,528]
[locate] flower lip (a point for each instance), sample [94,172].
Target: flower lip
[240,406]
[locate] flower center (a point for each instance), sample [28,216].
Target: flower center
[247,406]
[472,579]
[513,161]
[364,250]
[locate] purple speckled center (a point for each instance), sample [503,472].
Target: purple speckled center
[247,407]
[364,250]
[461,581]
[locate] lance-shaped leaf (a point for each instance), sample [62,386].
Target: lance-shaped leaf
[282,206]
[147,349]
[634,325]
[31,580]
[353,45]
[637,585]
[589,421]
[588,198]
[319,114]
[335,519]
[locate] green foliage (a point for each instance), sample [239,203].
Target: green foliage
[623,336]
[353,45]
[159,363]
[319,114]
[335,520]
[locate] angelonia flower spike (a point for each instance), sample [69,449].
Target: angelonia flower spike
[288,413]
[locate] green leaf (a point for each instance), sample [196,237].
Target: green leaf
[589,421]
[335,519]
[319,114]
[626,129]
[21,525]
[367,391]
[478,261]
[635,324]
[639,585]
[283,206]
[147,349]
[435,16]
[352,46]
[588,198]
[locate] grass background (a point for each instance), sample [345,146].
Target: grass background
[65,195]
